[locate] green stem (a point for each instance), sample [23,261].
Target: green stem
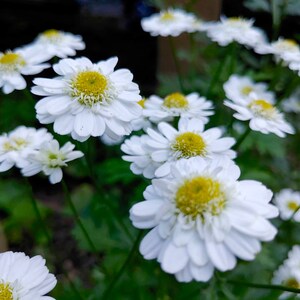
[133,250]
[176,61]
[77,217]
[241,139]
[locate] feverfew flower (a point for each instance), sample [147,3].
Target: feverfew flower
[240,87]
[288,274]
[178,105]
[50,159]
[17,145]
[88,99]
[263,115]
[292,104]
[59,43]
[23,278]
[169,145]
[22,61]
[288,203]
[235,29]
[170,22]
[202,218]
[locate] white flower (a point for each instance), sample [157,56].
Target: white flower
[170,22]
[203,218]
[240,87]
[292,104]
[178,105]
[263,115]
[141,122]
[288,203]
[22,61]
[17,145]
[169,145]
[88,99]
[59,43]
[292,59]
[288,274]
[50,159]
[235,29]
[24,278]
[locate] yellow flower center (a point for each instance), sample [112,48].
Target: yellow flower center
[142,102]
[246,90]
[51,33]
[15,144]
[287,44]
[90,87]
[292,205]
[262,108]
[11,61]
[167,16]
[5,292]
[200,195]
[292,282]
[175,100]
[189,144]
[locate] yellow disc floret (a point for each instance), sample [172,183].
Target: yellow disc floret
[142,102]
[167,16]
[175,100]
[51,33]
[189,144]
[292,282]
[11,61]
[90,87]
[200,195]
[262,108]
[15,144]
[292,205]
[6,292]
[246,90]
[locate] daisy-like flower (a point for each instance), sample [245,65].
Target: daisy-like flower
[169,145]
[22,61]
[178,105]
[235,29]
[59,43]
[24,278]
[263,115]
[50,159]
[170,22]
[240,87]
[288,203]
[288,274]
[88,99]
[202,218]
[292,104]
[17,145]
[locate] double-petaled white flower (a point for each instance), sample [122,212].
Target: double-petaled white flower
[235,29]
[288,203]
[17,145]
[201,218]
[261,113]
[50,159]
[24,278]
[178,105]
[170,22]
[162,148]
[88,99]
[22,61]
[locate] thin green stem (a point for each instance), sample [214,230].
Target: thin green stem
[77,217]
[132,252]
[176,61]
[242,138]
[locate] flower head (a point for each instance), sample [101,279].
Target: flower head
[88,99]
[178,105]
[202,218]
[17,145]
[261,112]
[22,277]
[50,159]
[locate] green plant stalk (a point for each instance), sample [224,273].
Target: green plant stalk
[241,139]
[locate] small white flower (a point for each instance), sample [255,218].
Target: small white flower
[169,145]
[202,218]
[235,29]
[288,202]
[292,104]
[59,43]
[292,59]
[170,22]
[240,87]
[288,274]
[263,115]
[88,99]
[22,61]
[50,159]
[24,278]
[17,145]
[178,105]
